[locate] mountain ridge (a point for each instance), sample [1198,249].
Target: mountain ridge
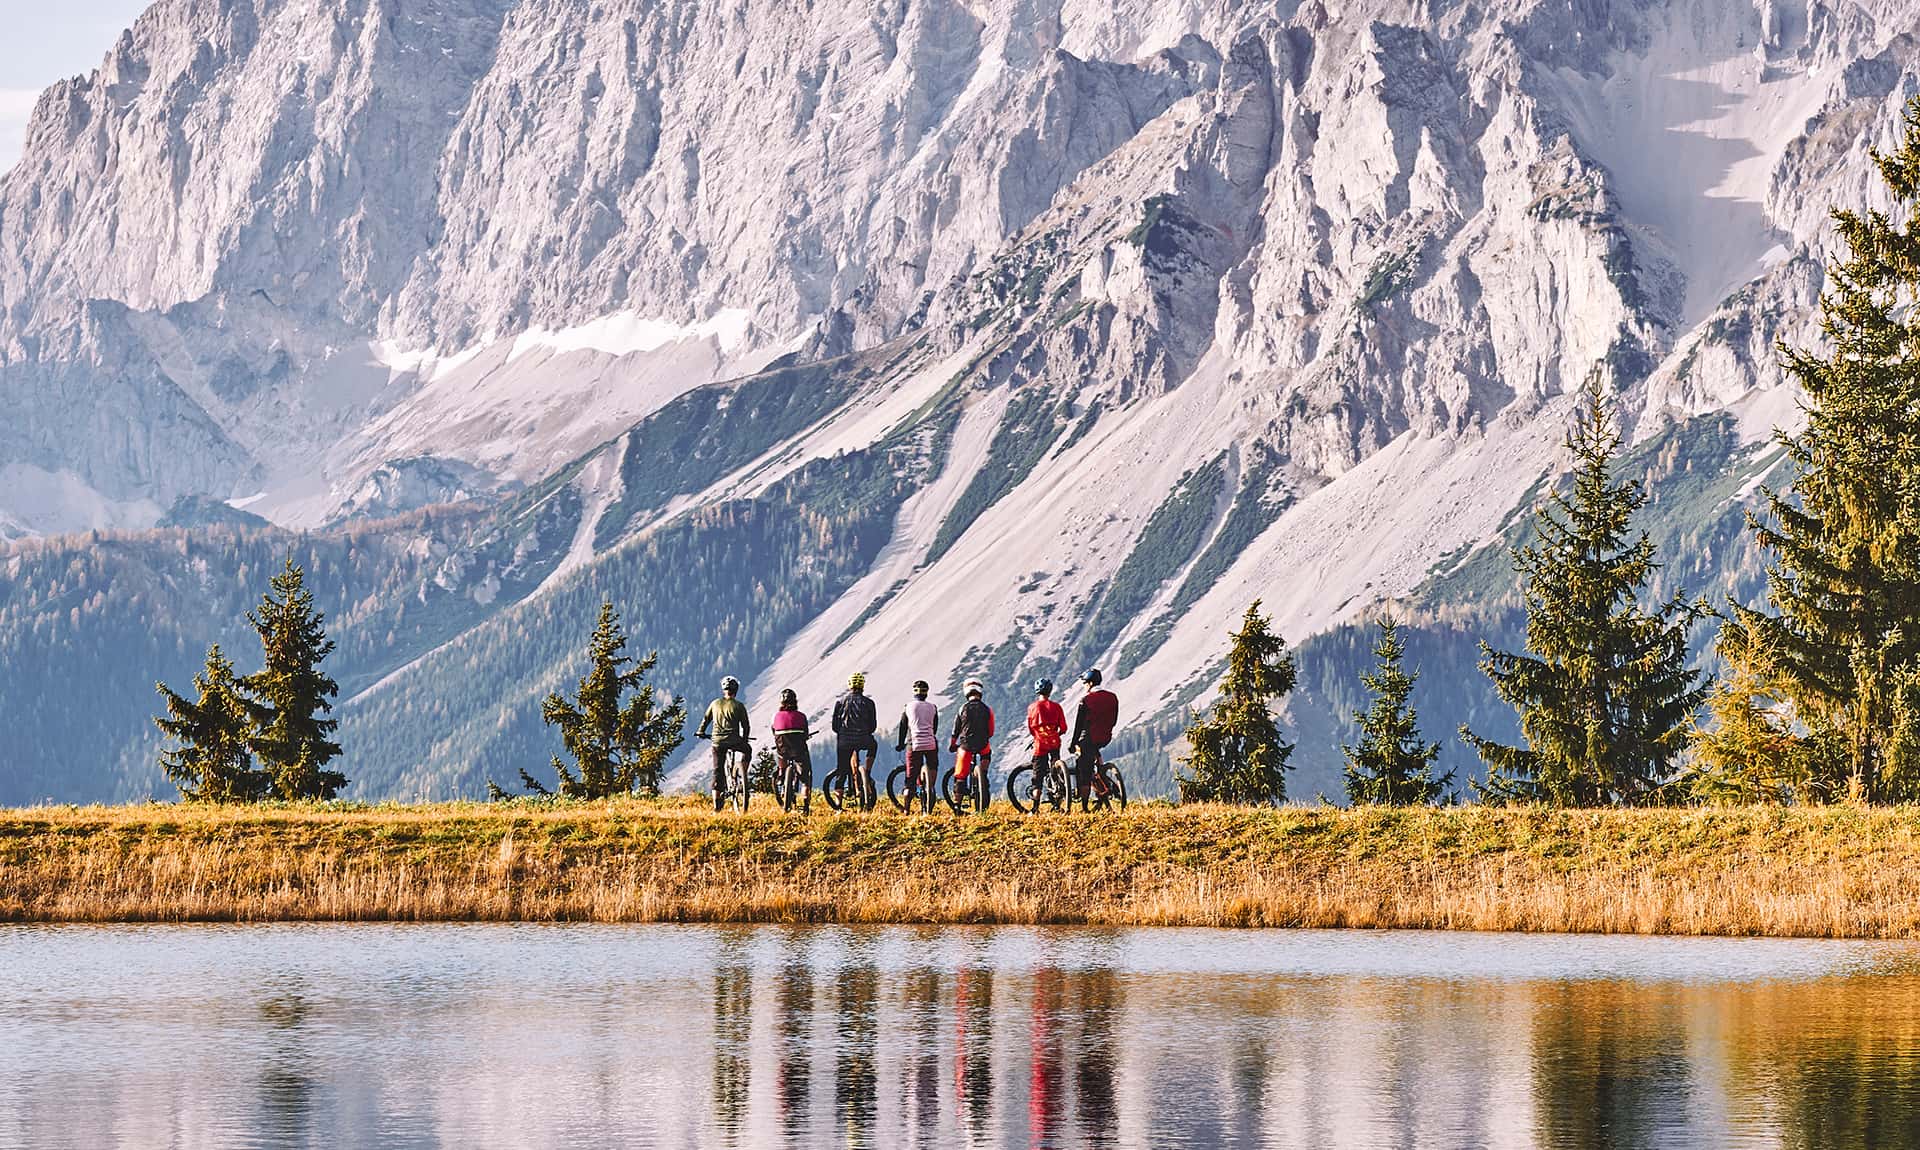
[1130,315]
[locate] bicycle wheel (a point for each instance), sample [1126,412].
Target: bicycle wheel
[1022,791]
[1116,797]
[899,789]
[835,789]
[737,781]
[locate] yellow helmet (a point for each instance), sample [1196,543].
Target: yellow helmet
[857,681]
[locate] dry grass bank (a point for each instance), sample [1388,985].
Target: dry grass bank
[1838,872]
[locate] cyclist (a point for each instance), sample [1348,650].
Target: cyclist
[919,733]
[972,734]
[854,722]
[1046,722]
[727,716]
[790,743]
[1093,727]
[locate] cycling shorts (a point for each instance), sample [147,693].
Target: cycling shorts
[968,758]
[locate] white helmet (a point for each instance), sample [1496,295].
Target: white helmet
[974,687]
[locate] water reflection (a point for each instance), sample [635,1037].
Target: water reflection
[793,1040]
[732,1035]
[286,1090]
[973,1049]
[673,1036]
[857,1032]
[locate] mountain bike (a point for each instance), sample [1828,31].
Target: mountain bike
[907,786]
[849,786]
[1109,790]
[1028,788]
[790,777]
[971,795]
[737,781]
[1037,782]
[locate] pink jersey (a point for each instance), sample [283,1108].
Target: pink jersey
[789,721]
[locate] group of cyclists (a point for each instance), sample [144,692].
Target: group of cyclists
[856,727]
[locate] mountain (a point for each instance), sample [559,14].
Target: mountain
[930,339]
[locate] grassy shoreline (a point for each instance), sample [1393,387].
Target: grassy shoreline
[1810,872]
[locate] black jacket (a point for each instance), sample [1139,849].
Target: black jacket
[855,718]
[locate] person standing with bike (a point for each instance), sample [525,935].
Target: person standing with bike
[854,722]
[1047,723]
[790,748]
[919,739]
[727,718]
[1093,727]
[973,740]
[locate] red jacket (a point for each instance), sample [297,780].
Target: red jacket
[1093,725]
[1046,722]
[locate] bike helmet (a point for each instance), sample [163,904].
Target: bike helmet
[857,681]
[920,688]
[1043,687]
[974,688]
[730,685]
[789,701]
[1092,677]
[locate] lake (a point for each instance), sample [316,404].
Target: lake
[535,1036]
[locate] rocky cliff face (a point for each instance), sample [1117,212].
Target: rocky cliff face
[1218,300]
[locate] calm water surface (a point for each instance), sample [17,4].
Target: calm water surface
[710,1036]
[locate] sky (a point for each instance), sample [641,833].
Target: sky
[41,42]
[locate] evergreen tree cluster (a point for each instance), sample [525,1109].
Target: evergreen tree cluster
[1820,695]
[264,735]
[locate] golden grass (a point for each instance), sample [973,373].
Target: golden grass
[1830,872]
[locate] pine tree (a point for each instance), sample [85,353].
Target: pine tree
[1603,689]
[212,762]
[1391,766]
[1845,543]
[290,697]
[616,750]
[1234,752]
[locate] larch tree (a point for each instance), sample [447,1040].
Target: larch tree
[618,746]
[290,698]
[212,761]
[1844,539]
[1752,748]
[1603,688]
[1234,751]
[1391,766]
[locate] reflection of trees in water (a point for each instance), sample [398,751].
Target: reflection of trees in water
[973,1047]
[1835,1064]
[1095,1057]
[732,1039]
[1858,1093]
[1609,1065]
[857,1017]
[924,1015]
[793,999]
[286,1090]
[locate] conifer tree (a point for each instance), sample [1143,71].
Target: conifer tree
[1844,583]
[212,762]
[616,750]
[1603,688]
[1234,752]
[1391,766]
[1753,750]
[290,697]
